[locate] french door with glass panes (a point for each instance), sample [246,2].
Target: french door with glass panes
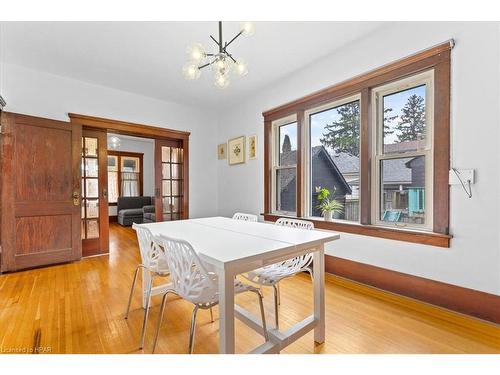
[170,176]
[94,194]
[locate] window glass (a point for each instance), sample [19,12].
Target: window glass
[286,180]
[334,158]
[288,144]
[403,190]
[404,120]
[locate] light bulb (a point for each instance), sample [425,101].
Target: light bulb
[221,81]
[196,53]
[241,67]
[221,65]
[191,71]
[247,28]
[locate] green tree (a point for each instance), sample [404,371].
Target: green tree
[387,120]
[343,135]
[411,125]
[287,145]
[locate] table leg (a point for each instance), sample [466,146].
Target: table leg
[319,294]
[226,313]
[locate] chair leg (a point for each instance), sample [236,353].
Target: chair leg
[160,318]
[211,315]
[309,269]
[146,313]
[132,291]
[276,306]
[263,315]
[193,329]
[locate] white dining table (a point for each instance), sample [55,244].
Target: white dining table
[232,247]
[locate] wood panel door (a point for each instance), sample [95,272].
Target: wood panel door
[40,184]
[94,192]
[171,180]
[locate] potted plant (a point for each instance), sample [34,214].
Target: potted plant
[327,205]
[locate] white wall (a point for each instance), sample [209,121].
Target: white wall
[146,147]
[473,261]
[46,95]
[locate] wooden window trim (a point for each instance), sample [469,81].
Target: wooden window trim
[121,154]
[437,58]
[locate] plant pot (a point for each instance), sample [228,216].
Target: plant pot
[327,215]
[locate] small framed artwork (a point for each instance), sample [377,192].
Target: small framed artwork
[221,151]
[236,150]
[252,147]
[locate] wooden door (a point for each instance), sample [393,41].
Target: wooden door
[171,174]
[40,186]
[94,192]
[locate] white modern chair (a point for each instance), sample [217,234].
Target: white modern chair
[193,282]
[150,262]
[244,217]
[271,275]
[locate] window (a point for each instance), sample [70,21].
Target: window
[379,143]
[333,156]
[124,175]
[403,152]
[285,166]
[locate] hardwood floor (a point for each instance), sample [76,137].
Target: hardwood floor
[79,308]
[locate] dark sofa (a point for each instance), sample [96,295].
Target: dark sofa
[135,210]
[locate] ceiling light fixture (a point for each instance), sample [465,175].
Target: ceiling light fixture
[222,63]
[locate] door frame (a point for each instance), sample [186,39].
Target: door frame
[145,131]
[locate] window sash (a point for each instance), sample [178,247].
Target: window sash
[275,162]
[378,155]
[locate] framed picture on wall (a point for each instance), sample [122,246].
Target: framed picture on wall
[236,150]
[221,151]
[252,147]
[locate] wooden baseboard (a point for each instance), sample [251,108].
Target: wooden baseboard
[466,301]
[113,219]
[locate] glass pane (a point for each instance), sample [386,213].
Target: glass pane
[286,189]
[176,155]
[288,144]
[112,187]
[176,216]
[130,164]
[403,190]
[83,229]
[92,208]
[90,147]
[334,159]
[91,188]
[166,188]
[82,204]
[165,171]
[165,154]
[176,188]
[176,204]
[176,171]
[91,167]
[112,163]
[404,120]
[92,229]
[167,206]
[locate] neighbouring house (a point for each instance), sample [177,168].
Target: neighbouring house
[325,173]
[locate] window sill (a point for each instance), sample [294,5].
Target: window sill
[406,235]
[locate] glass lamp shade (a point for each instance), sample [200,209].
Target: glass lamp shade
[247,28]
[241,68]
[196,53]
[190,71]
[221,81]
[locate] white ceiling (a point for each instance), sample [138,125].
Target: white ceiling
[147,57]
